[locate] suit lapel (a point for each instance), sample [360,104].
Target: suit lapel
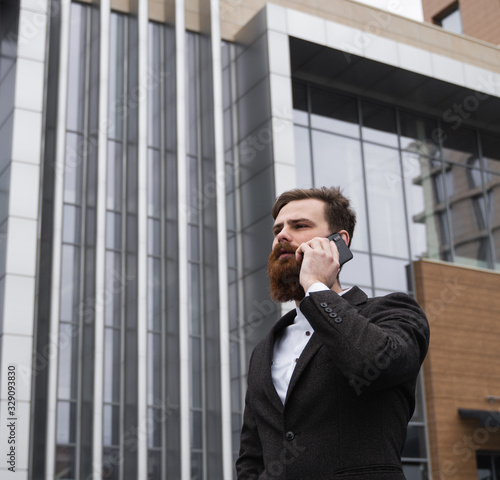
[313,345]
[269,389]
[355,297]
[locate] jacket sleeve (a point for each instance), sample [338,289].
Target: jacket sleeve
[250,462]
[381,345]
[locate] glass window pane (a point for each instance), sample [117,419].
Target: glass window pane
[113,294]
[70,283]
[113,231]
[490,146]
[154,368]
[65,462]
[112,349]
[415,471]
[114,176]
[71,224]
[196,369]
[415,442]
[390,273]
[337,162]
[154,184]
[469,220]
[357,271]
[302,157]
[334,113]
[154,431]
[154,294]
[68,361]
[419,134]
[154,237]
[66,422]
[111,461]
[459,145]
[427,219]
[117,100]
[484,467]
[76,68]
[379,124]
[385,201]
[154,465]
[73,163]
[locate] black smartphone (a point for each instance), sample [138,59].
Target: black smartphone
[344,253]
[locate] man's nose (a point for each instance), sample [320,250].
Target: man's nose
[284,235]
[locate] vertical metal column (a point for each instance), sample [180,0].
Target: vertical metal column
[184,360]
[225,369]
[102,162]
[142,253]
[57,241]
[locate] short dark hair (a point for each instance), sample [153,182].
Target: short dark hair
[338,211]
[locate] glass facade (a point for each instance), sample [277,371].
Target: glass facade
[421,188]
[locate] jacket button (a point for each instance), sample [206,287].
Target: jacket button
[290,436]
[338,320]
[328,310]
[333,314]
[323,304]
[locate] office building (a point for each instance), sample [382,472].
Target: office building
[143,145]
[477,19]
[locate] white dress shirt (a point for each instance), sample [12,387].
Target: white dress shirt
[290,344]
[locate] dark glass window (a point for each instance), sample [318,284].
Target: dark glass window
[450,19]
[488,466]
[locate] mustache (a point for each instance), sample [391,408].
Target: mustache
[281,248]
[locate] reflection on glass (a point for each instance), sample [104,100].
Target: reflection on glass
[302,157]
[337,162]
[490,147]
[425,196]
[419,134]
[459,144]
[415,471]
[385,201]
[65,462]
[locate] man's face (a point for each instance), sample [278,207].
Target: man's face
[297,222]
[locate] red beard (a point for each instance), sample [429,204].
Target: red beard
[284,274]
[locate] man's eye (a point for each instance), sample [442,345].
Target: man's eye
[299,225]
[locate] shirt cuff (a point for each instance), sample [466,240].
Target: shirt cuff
[316,287]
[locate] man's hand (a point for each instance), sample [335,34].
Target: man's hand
[320,262]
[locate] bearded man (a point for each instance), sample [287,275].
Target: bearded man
[331,388]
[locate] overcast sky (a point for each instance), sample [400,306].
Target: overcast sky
[407,8]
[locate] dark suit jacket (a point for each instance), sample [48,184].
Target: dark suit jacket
[350,397]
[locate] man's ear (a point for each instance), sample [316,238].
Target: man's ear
[345,236]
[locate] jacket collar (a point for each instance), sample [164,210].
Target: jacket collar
[355,296]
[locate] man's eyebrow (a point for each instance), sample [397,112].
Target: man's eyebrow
[293,222]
